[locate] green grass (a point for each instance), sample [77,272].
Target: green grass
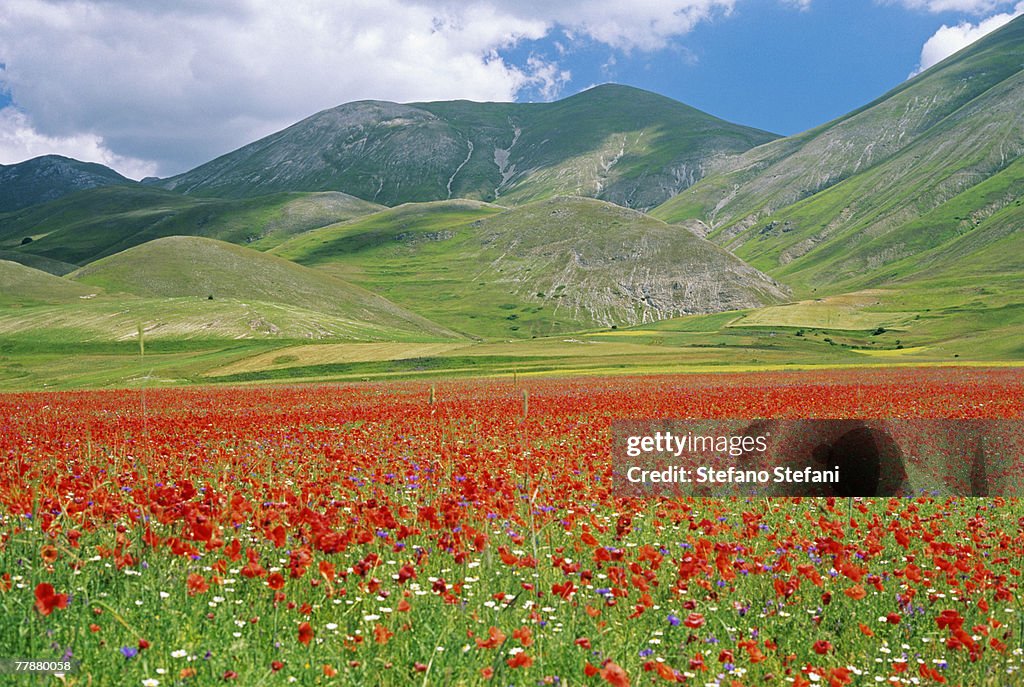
[54,267]
[114,319]
[898,224]
[93,343]
[545,268]
[21,285]
[50,363]
[393,233]
[200,268]
[85,226]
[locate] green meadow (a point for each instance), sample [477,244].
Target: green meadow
[95,344]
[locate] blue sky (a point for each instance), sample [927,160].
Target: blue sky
[768,65]
[151,87]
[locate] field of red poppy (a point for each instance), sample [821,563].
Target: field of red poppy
[466,534]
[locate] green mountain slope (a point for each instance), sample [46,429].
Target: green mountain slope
[49,177]
[92,224]
[21,285]
[612,142]
[196,268]
[546,267]
[390,231]
[865,199]
[38,262]
[961,231]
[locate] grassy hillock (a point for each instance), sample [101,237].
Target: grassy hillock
[551,266]
[199,269]
[85,226]
[21,285]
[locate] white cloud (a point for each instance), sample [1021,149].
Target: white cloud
[976,7]
[19,141]
[950,39]
[546,78]
[625,25]
[181,82]
[637,24]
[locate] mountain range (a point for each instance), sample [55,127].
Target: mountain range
[616,143]
[916,181]
[51,177]
[613,207]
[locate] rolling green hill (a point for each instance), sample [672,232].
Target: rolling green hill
[50,177]
[926,178]
[38,262]
[390,231]
[551,266]
[21,285]
[201,270]
[617,143]
[91,224]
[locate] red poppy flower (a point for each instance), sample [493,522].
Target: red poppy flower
[930,673]
[614,675]
[48,599]
[694,620]
[495,638]
[196,584]
[524,635]
[837,677]
[822,647]
[520,660]
[856,592]
[949,619]
[663,671]
[305,633]
[381,634]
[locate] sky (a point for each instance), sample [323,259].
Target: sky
[157,87]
